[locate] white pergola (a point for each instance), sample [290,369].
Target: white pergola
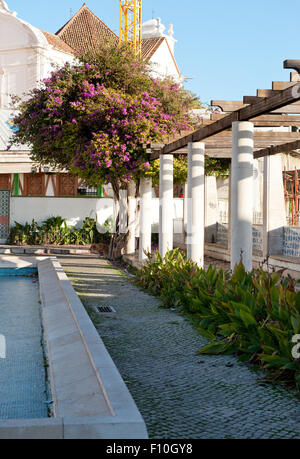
[234,132]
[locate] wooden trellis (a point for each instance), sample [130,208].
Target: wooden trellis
[279,106]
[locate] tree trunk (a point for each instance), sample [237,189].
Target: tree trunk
[132,213]
[123,242]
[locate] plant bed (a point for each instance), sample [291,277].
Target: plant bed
[253,315]
[55,232]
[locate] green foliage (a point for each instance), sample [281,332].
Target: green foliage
[95,116]
[180,170]
[254,315]
[55,231]
[213,166]
[24,234]
[217,167]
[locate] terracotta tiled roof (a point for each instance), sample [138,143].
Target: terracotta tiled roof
[58,43]
[85,31]
[150,46]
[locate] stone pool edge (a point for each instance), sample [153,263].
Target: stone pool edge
[124,421]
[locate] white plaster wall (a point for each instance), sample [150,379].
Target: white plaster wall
[177,212]
[163,64]
[23,69]
[74,210]
[274,205]
[25,57]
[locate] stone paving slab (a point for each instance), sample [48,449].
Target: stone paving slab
[179,394]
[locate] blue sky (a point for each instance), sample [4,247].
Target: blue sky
[227,49]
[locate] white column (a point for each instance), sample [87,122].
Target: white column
[229,209]
[185,208]
[145,217]
[166,210]
[242,194]
[131,189]
[196,203]
[274,217]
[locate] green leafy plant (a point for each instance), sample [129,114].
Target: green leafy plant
[217,167]
[55,231]
[24,234]
[253,315]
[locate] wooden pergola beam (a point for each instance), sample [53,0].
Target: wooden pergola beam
[267,120]
[220,146]
[228,106]
[282,99]
[225,138]
[259,136]
[232,106]
[218,153]
[226,153]
[277,149]
[292,108]
[223,141]
[294,77]
[265,92]
[281,85]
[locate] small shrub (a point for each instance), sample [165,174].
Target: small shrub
[55,231]
[24,234]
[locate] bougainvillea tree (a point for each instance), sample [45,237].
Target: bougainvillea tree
[95,117]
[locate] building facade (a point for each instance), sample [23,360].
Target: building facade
[27,56]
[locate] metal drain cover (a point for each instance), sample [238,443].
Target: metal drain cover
[105,309]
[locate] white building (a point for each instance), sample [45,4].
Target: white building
[27,55]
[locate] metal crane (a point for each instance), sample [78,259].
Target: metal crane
[131,24]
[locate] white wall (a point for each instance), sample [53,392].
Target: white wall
[177,212]
[25,57]
[163,63]
[74,210]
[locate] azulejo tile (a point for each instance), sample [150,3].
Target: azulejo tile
[4,213]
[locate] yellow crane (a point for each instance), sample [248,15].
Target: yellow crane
[131,24]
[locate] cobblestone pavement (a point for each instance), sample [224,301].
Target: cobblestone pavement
[179,394]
